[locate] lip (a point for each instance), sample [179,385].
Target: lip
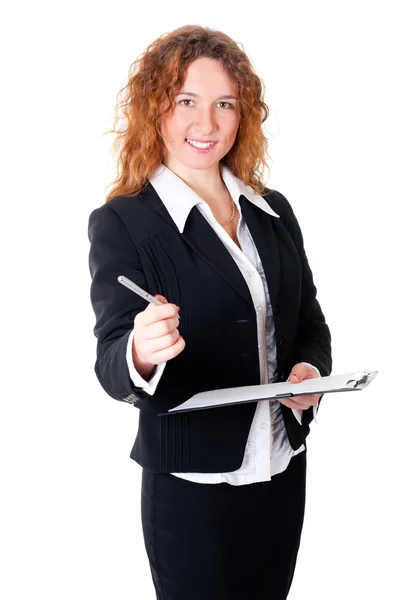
[202,141]
[201,150]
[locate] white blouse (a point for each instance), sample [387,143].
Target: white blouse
[268,450]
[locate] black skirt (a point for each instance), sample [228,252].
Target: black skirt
[223,542]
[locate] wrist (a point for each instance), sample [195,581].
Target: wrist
[144,368]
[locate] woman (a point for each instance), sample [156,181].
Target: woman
[190,221]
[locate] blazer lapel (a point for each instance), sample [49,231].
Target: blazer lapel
[200,236]
[260,225]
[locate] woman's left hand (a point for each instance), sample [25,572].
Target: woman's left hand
[299,373]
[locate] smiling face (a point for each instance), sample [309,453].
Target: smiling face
[206,109]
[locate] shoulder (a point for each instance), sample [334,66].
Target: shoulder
[140,216]
[122,206]
[106,222]
[125,206]
[110,214]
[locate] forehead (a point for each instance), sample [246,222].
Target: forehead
[206,74]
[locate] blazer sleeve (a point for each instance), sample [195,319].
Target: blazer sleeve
[112,253]
[313,341]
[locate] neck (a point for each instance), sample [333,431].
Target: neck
[206,183]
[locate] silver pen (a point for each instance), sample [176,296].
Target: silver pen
[138,290]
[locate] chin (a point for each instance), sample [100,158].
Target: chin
[199,162]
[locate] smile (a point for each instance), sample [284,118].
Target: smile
[202,145]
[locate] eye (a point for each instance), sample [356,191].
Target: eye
[228,104]
[185,100]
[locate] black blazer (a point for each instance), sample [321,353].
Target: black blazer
[136,237]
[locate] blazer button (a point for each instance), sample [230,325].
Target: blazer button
[277,309]
[283,342]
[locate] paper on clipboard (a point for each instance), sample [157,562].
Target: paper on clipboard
[352,381]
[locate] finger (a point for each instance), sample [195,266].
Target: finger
[153,345]
[300,372]
[165,301]
[304,401]
[166,354]
[294,404]
[161,328]
[161,298]
[313,398]
[154,313]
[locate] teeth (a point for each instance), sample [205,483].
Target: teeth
[200,144]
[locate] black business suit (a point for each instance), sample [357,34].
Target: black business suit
[137,238]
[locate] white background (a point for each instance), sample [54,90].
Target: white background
[338,83]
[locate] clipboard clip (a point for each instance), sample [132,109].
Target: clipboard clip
[363,378]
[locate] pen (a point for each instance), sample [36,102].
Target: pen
[138,290]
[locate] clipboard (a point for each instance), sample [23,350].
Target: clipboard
[347,382]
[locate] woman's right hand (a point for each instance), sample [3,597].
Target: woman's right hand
[155,335]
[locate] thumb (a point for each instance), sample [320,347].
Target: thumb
[298,373]
[161,298]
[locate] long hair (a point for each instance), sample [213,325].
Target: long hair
[157,75]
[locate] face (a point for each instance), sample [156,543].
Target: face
[206,109]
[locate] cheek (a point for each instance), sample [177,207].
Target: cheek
[176,127]
[233,130]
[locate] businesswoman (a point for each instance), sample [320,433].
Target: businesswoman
[190,221]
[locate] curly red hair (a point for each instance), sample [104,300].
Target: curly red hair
[156,76]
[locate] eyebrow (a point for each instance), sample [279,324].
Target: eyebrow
[227,97]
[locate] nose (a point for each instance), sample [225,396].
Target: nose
[205,121]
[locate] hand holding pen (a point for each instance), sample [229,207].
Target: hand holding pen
[156,338]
